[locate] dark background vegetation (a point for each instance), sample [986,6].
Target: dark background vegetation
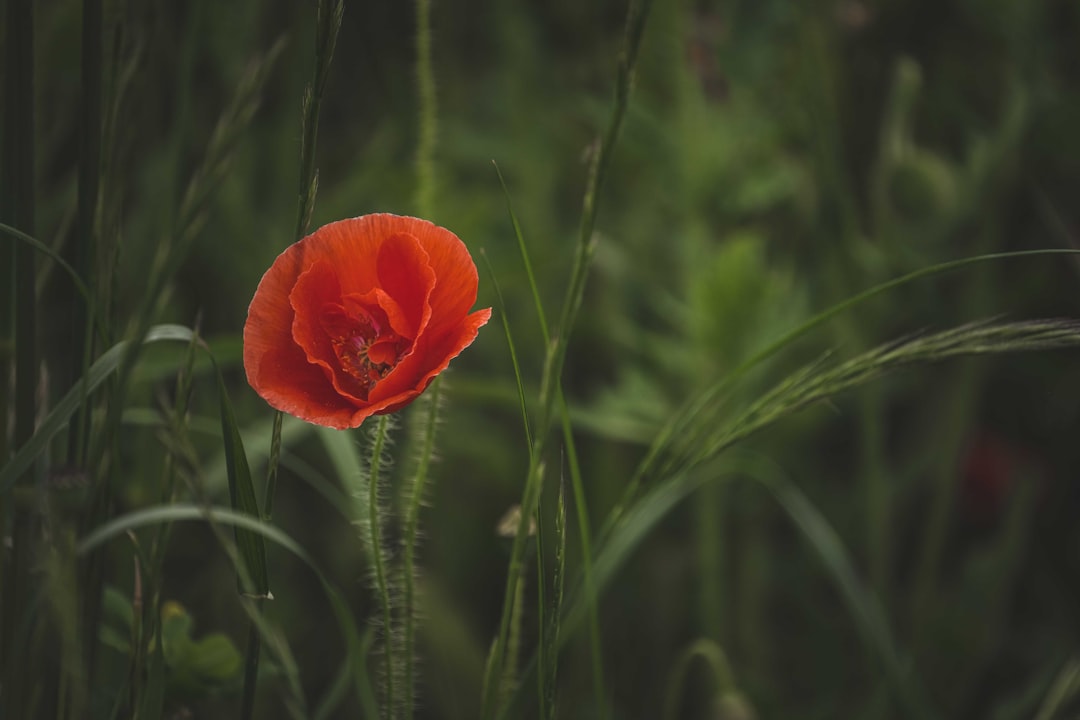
[778,157]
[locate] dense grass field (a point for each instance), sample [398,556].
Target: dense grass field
[775,415]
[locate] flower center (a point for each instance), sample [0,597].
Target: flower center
[366,348]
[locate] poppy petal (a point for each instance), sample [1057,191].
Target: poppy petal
[316,301]
[430,356]
[269,324]
[455,289]
[406,276]
[303,390]
[349,246]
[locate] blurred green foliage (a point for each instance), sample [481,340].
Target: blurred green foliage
[779,156]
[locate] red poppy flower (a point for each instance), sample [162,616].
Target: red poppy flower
[359,317]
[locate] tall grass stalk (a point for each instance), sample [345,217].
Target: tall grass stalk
[327,23]
[585,535]
[17,204]
[556,354]
[548,675]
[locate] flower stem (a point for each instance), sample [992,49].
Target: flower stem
[412,524]
[375,538]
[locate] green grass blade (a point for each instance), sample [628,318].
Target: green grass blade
[293,431]
[540,314]
[62,412]
[242,494]
[585,534]
[255,582]
[44,249]
[513,352]
[551,612]
[187,512]
[547,675]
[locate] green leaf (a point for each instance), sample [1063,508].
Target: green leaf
[242,494]
[214,659]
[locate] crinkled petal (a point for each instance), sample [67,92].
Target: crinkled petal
[316,299]
[301,389]
[277,369]
[351,247]
[406,276]
[430,356]
[455,288]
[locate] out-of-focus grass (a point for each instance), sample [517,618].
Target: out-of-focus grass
[776,158]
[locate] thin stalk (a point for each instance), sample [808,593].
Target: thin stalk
[586,248]
[375,538]
[551,637]
[327,23]
[412,525]
[556,357]
[592,593]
